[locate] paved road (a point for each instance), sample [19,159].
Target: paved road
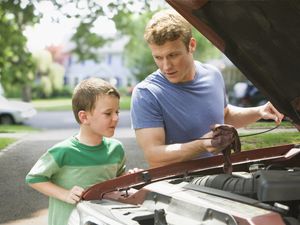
[21,205]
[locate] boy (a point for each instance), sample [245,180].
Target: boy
[87,158]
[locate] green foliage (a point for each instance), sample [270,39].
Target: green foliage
[16,63]
[19,70]
[138,55]
[205,49]
[49,75]
[85,41]
[64,92]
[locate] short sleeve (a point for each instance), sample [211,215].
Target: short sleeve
[145,110]
[43,169]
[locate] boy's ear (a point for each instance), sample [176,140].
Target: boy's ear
[82,115]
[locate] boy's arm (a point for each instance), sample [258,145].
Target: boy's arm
[71,196]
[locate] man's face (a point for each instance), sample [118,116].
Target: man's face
[174,60]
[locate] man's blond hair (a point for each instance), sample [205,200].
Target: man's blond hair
[87,92]
[167,25]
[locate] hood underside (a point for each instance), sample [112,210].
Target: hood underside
[262,38]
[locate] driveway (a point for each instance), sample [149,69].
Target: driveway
[20,204]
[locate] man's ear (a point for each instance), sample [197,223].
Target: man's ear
[192,45]
[83,117]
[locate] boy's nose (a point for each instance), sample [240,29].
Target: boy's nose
[116,117]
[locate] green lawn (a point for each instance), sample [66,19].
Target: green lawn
[66,104]
[4,142]
[269,140]
[16,128]
[268,125]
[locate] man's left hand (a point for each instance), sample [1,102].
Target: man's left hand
[268,111]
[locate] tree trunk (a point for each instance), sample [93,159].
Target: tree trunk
[26,93]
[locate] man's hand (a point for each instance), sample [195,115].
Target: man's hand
[222,135]
[74,195]
[218,139]
[268,111]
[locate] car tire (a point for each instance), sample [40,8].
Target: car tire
[6,120]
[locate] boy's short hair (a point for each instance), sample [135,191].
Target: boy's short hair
[86,93]
[167,25]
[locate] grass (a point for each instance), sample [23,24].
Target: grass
[57,104]
[16,128]
[4,142]
[61,104]
[269,140]
[268,125]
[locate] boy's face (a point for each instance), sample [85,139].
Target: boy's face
[104,118]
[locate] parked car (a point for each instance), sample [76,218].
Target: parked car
[245,94]
[262,38]
[15,112]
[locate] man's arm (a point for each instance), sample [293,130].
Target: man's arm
[157,153]
[240,117]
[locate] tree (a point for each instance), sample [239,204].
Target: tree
[17,66]
[16,63]
[49,74]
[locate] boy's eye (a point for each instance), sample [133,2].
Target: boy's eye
[110,113]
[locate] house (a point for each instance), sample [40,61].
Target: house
[111,66]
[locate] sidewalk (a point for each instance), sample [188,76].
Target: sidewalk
[38,218]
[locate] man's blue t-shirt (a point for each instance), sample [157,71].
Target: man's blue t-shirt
[185,110]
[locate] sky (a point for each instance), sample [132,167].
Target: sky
[56,29]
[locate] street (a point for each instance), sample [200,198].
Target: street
[20,204]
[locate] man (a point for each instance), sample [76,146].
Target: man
[180,102]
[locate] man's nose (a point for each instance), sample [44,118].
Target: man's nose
[166,64]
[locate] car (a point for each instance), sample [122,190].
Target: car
[262,38]
[15,112]
[245,94]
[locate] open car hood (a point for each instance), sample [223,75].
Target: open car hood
[262,38]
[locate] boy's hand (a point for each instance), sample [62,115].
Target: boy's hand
[74,195]
[134,170]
